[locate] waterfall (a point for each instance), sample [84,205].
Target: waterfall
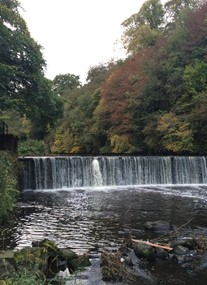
[97,173]
[86,171]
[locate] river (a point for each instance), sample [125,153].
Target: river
[97,219]
[82,203]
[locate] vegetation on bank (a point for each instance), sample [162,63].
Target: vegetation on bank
[8,185]
[151,102]
[154,101]
[28,102]
[39,264]
[32,147]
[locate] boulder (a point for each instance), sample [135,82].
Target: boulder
[158,226]
[161,253]
[180,250]
[144,251]
[67,254]
[44,259]
[79,262]
[188,242]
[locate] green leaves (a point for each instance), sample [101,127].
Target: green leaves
[144,28]
[154,101]
[8,185]
[65,82]
[23,87]
[176,133]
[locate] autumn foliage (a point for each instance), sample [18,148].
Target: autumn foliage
[154,101]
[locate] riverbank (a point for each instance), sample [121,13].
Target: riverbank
[175,257]
[178,255]
[8,184]
[96,220]
[39,264]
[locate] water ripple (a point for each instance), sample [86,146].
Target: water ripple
[96,220]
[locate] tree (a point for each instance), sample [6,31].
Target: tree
[144,28]
[76,132]
[175,8]
[98,73]
[154,101]
[23,87]
[176,134]
[64,82]
[45,117]
[79,131]
[21,61]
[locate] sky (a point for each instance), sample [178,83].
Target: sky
[77,34]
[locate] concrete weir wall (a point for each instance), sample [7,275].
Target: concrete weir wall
[8,142]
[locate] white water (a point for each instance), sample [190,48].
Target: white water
[76,171]
[97,173]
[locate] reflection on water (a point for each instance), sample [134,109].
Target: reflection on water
[93,219]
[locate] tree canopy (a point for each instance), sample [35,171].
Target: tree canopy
[142,29]
[155,100]
[63,82]
[152,102]
[23,86]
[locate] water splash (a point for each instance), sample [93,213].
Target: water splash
[69,172]
[98,181]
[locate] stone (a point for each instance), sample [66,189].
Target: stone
[179,258]
[144,251]
[158,226]
[161,253]
[180,250]
[79,262]
[186,242]
[67,254]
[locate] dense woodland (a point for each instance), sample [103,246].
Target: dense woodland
[152,102]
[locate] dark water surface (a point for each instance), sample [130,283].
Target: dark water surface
[96,219]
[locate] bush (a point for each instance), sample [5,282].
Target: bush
[8,185]
[24,278]
[32,147]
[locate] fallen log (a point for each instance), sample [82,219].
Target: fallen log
[152,244]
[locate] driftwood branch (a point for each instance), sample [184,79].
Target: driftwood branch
[152,244]
[183,225]
[173,231]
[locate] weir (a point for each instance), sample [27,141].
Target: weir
[86,171]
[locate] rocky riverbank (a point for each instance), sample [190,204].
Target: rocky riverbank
[176,256]
[39,264]
[157,261]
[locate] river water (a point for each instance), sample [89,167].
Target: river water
[94,219]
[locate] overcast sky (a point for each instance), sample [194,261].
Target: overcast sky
[77,34]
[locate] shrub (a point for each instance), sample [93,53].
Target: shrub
[8,185]
[32,147]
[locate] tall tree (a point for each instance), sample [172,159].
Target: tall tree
[175,8]
[23,86]
[142,29]
[64,82]
[21,61]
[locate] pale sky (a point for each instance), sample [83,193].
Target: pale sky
[77,34]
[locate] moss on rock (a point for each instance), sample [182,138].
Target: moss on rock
[44,260]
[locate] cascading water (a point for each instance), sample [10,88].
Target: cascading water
[97,173]
[77,171]
[98,221]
